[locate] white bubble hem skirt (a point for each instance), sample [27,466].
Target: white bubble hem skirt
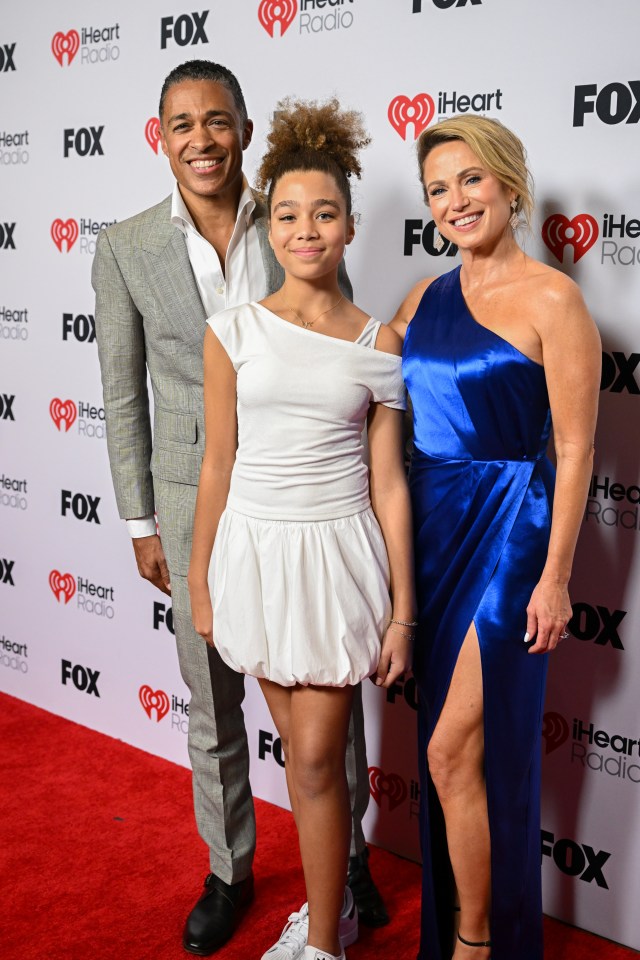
[300,601]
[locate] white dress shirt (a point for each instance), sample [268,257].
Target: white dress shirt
[243,279]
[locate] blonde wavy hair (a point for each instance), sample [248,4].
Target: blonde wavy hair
[498,149]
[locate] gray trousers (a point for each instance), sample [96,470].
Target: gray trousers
[217,741]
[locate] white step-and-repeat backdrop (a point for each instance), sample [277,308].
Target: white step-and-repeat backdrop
[80,634]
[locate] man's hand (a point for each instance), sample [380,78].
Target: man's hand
[151,561]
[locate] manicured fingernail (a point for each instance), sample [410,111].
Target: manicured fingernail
[379,682]
[527,638]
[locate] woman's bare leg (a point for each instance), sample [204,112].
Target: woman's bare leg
[279,702]
[316,730]
[456,764]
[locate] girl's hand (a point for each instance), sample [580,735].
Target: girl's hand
[202,611]
[395,655]
[548,613]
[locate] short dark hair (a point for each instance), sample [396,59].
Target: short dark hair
[205,70]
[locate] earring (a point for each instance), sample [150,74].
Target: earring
[439,242]
[514,219]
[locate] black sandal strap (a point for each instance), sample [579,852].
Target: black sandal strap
[474,943]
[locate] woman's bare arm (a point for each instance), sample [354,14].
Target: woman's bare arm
[221,432]
[572,362]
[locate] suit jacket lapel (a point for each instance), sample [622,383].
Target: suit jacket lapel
[172,277]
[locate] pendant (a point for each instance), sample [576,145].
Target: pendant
[307,324]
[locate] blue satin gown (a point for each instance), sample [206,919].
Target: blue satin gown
[481,490]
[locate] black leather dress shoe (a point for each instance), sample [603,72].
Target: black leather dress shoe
[216,914]
[371,909]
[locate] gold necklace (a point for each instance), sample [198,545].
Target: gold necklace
[307,324]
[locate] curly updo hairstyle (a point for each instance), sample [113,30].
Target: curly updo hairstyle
[497,148]
[307,135]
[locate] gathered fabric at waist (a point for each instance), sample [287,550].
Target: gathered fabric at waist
[427,459]
[464,487]
[299,512]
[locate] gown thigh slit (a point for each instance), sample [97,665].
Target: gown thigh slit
[481,488]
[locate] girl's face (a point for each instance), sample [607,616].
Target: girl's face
[309,225]
[470,206]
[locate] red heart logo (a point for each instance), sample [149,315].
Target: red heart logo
[389,785]
[580,233]
[555,731]
[62,43]
[64,231]
[419,111]
[152,133]
[283,12]
[63,585]
[154,700]
[63,412]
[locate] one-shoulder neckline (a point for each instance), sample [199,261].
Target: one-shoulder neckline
[488,330]
[326,336]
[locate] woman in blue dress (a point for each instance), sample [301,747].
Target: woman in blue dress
[494,351]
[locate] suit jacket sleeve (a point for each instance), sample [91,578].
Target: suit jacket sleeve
[121,350]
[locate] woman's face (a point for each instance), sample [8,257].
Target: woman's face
[309,225]
[470,206]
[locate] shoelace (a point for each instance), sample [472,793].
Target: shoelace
[296,929]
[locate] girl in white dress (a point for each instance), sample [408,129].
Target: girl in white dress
[301,570]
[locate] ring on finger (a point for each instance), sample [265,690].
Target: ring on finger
[564,635]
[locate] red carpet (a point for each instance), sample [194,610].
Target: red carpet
[100,858]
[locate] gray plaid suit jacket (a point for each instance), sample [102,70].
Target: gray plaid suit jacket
[149,314]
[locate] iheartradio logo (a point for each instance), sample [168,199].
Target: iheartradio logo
[555,731]
[65,43]
[64,231]
[419,111]
[283,12]
[152,133]
[580,233]
[389,785]
[63,586]
[63,413]
[154,700]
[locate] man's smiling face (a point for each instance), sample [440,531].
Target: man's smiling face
[204,136]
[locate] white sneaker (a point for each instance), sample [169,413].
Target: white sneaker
[314,953]
[348,927]
[293,939]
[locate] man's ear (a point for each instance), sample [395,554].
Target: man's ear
[247,134]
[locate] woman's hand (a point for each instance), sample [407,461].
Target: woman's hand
[395,655]
[202,611]
[548,613]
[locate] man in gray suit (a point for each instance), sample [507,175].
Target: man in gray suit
[157,277]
